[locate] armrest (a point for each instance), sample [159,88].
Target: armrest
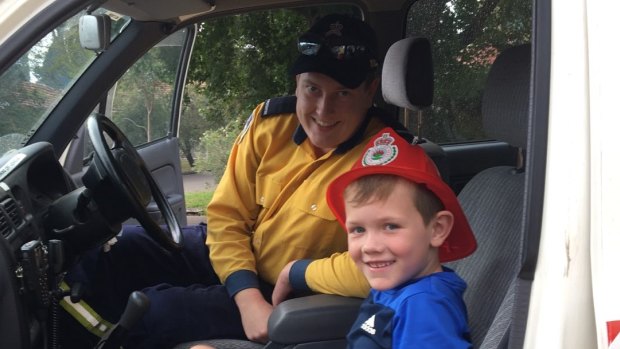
[313,318]
[319,321]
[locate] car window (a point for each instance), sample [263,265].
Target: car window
[34,84]
[140,103]
[465,41]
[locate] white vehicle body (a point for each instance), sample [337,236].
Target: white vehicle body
[574,300]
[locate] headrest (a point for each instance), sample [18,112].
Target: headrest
[506,99]
[407,76]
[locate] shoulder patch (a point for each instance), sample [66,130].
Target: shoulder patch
[245,129]
[279,105]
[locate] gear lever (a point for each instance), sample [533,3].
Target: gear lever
[137,305]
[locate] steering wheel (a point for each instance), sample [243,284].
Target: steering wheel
[127,172]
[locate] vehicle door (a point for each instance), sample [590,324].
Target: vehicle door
[146,105]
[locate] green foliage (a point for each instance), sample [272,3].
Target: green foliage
[238,62]
[143,97]
[35,82]
[31,87]
[193,122]
[63,59]
[466,36]
[21,102]
[241,60]
[215,147]
[198,200]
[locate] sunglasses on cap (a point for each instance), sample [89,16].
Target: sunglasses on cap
[310,44]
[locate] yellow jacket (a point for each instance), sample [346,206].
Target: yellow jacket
[270,207]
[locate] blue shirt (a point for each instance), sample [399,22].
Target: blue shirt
[428,312]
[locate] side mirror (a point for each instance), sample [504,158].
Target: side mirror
[95,32]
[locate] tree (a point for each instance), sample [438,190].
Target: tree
[11,94]
[22,103]
[143,97]
[214,147]
[59,57]
[239,61]
[466,39]
[193,122]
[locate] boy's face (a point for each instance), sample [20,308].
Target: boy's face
[329,112]
[389,241]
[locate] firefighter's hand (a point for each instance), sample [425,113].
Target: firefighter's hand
[255,312]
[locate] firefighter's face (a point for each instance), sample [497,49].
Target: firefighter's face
[329,112]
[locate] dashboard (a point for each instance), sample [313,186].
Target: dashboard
[45,224]
[31,180]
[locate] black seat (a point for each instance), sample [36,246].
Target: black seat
[493,201]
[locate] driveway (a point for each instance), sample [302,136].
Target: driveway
[196,182]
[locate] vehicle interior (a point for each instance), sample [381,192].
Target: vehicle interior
[83,151]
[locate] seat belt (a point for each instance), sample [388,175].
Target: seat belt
[84,314]
[519,313]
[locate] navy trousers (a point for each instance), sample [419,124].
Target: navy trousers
[187,300]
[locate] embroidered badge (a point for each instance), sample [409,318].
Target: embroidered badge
[382,153]
[369,325]
[334,29]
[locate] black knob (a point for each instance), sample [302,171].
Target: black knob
[137,305]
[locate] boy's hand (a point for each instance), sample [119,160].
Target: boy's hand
[255,312]
[283,286]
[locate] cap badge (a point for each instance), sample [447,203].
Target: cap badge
[382,153]
[334,29]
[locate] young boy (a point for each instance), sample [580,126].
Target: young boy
[402,221]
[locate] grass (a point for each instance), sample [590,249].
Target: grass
[198,201]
